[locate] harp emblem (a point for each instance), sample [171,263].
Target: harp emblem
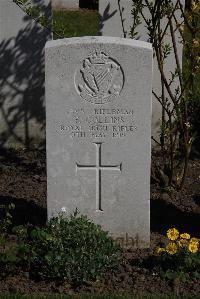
[100,79]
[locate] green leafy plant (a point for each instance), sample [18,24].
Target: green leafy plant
[6,217]
[67,248]
[180,259]
[74,249]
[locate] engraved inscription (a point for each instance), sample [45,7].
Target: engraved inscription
[128,241]
[98,167]
[99,123]
[100,80]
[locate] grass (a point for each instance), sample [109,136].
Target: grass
[109,296]
[75,23]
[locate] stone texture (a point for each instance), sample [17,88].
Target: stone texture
[22,41]
[111,25]
[98,117]
[65,4]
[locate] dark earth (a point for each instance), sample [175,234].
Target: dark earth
[23,182]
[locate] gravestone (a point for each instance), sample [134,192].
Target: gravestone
[98,128]
[22,41]
[65,4]
[111,15]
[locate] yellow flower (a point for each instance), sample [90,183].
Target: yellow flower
[196,43]
[178,177]
[160,250]
[194,240]
[183,242]
[194,6]
[185,236]
[172,234]
[171,248]
[193,247]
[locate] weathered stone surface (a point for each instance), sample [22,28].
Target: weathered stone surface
[111,25]
[22,41]
[98,105]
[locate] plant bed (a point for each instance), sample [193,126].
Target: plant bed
[23,183]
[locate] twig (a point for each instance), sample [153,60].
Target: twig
[164,77]
[169,18]
[159,100]
[176,53]
[185,19]
[178,26]
[121,17]
[155,140]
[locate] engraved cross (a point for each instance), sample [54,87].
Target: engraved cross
[98,167]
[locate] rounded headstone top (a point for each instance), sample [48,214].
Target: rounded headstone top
[99,39]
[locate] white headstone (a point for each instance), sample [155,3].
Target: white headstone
[22,41]
[65,4]
[98,105]
[111,15]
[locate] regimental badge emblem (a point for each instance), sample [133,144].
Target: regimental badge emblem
[100,79]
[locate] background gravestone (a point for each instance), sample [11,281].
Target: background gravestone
[22,41]
[75,4]
[98,105]
[65,4]
[111,25]
[89,4]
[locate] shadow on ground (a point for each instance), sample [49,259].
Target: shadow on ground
[24,212]
[165,215]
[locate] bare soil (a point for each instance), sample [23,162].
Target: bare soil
[23,182]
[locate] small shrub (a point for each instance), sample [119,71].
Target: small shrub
[73,249]
[181,256]
[8,252]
